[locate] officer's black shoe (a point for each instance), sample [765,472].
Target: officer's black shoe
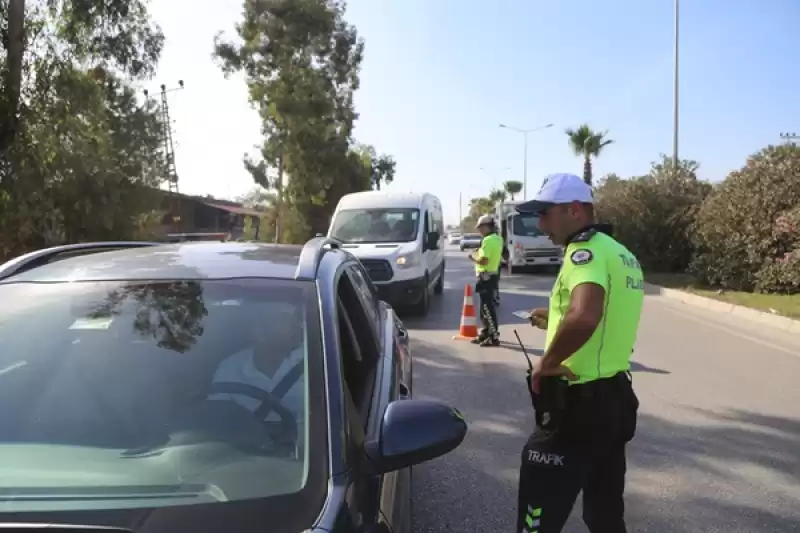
[490,341]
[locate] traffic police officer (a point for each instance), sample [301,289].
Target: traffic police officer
[581,387]
[487,264]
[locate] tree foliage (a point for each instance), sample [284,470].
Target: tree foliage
[482,205]
[738,234]
[587,143]
[380,168]
[747,229]
[82,154]
[512,188]
[654,214]
[301,59]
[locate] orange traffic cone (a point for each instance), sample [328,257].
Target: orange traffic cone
[469,328]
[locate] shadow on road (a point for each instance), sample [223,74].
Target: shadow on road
[472,488]
[639,367]
[737,472]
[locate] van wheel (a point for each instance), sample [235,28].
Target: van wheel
[439,287]
[422,307]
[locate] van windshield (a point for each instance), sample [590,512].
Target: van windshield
[376,225]
[526,225]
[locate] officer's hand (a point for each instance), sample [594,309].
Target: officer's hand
[538,372]
[538,318]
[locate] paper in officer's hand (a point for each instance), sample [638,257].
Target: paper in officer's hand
[524,315]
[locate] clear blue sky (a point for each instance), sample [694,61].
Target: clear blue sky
[440,75]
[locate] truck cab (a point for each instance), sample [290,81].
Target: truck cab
[525,245]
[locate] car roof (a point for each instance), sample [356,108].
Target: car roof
[188,260]
[384,199]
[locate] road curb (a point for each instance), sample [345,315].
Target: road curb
[739,311]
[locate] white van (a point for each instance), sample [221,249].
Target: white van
[399,238]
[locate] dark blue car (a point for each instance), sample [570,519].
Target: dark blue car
[207,387]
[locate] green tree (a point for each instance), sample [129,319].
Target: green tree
[513,188]
[497,195]
[587,143]
[300,59]
[654,214]
[81,157]
[482,205]
[264,200]
[746,230]
[380,169]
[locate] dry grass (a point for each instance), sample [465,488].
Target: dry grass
[786,305]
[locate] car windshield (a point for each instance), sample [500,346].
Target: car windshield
[120,395]
[472,236]
[376,225]
[527,225]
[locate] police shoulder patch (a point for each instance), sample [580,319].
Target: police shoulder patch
[581,257]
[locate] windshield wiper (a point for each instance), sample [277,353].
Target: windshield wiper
[22,527]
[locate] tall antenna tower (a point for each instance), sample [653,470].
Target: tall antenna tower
[171,174]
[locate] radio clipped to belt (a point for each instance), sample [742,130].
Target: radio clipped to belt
[549,404]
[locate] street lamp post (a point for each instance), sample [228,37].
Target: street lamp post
[525,133]
[675,97]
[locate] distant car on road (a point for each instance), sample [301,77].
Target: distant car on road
[206,387]
[454,238]
[470,241]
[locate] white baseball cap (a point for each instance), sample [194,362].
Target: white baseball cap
[484,220]
[558,189]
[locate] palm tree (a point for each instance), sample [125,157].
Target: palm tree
[497,195]
[513,188]
[587,143]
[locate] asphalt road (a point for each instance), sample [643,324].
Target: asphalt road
[718,445]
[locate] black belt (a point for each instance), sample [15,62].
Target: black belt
[592,388]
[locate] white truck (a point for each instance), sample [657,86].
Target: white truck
[525,244]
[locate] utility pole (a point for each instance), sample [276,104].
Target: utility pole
[171,173]
[790,138]
[675,97]
[460,203]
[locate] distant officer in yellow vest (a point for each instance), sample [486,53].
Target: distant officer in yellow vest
[585,405]
[487,264]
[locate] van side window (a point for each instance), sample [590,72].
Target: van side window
[437,222]
[426,218]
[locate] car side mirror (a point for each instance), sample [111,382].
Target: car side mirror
[412,432]
[433,241]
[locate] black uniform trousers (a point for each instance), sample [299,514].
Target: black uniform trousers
[487,286]
[586,452]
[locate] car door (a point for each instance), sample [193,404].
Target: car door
[436,256]
[392,383]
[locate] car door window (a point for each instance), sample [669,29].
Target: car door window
[359,345]
[366,294]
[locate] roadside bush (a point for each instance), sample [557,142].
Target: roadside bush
[653,215]
[746,230]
